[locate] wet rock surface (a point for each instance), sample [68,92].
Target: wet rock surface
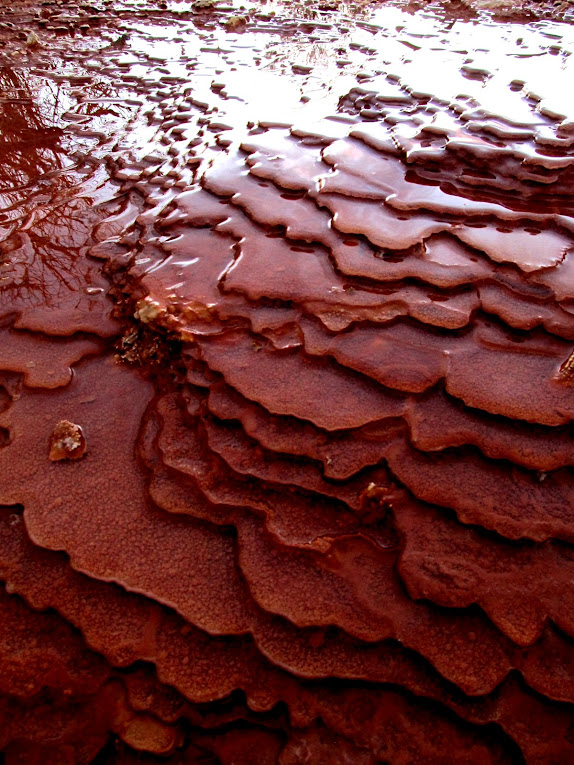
[286,383]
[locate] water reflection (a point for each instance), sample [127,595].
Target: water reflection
[44,231]
[30,143]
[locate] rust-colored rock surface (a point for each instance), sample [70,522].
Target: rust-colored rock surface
[286,384]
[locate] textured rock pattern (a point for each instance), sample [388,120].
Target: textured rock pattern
[286,457]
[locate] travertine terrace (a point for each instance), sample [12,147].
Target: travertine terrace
[287,384]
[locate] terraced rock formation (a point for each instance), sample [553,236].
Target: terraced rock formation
[286,401]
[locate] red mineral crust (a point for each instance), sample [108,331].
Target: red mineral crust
[286,387]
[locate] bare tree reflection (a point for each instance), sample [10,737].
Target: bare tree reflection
[48,229]
[29,146]
[46,263]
